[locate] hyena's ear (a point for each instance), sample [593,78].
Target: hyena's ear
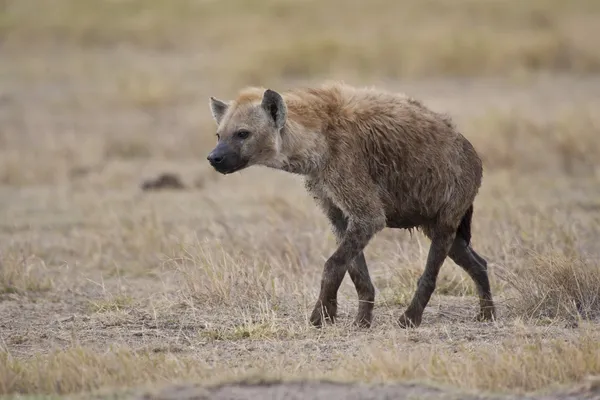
[275,107]
[218,109]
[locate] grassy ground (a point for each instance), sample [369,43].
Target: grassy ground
[106,287]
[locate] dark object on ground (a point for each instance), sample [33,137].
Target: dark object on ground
[163,181]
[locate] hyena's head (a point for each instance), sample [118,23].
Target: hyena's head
[248,130]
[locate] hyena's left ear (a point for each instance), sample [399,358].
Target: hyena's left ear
[218,109]
[275,107]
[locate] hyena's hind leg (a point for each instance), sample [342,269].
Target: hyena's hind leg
[358,270]
[466,258]
[441,242]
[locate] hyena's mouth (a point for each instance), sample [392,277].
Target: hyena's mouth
[230,169]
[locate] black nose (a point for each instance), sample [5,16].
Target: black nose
[215,158]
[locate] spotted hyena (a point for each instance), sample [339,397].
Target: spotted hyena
[372,159]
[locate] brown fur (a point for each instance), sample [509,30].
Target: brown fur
[372,159]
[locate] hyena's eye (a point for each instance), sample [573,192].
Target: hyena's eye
[242,134]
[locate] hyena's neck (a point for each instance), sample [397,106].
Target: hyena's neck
[301,150]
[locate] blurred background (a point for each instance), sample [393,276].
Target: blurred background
[87,84]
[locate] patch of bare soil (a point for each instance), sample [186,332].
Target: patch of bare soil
[314,390]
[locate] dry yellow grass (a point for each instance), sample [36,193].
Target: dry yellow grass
[22,272]
[510,140]
[557,286]
[204,286]
[272,39]
[516,365]
[106,287]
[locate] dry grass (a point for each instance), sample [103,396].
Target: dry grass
[553,285]
[269,39]
[517,365]
[80,369]
[112,304]
[22,273]
[512,140]
[104,286]
[189,289]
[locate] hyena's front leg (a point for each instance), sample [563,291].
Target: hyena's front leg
[357,269]
[357,236]
[365,217]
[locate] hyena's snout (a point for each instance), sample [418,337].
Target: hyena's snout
[216,157]
[225,159]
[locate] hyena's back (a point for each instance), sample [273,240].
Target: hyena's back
[426,172]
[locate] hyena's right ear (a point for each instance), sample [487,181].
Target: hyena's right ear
[218,109]
[274,105]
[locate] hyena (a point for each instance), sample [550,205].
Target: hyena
[372,159]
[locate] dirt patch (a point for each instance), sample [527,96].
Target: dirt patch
[345,391]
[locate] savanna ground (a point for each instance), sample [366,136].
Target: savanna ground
[108,289]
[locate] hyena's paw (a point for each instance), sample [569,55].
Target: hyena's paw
[407,320]
[486,314]
[323,312]
[363,319]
